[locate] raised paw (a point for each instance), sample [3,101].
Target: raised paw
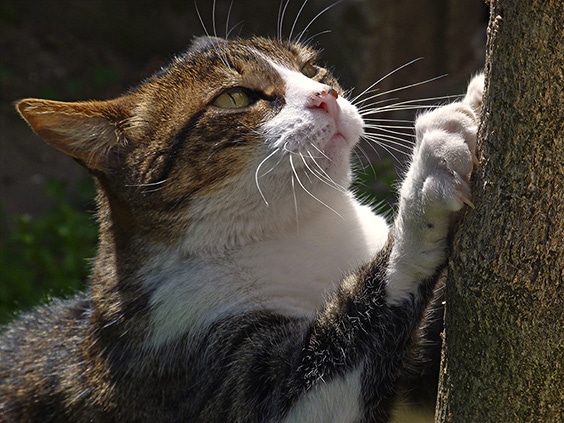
[445,155]
[474,93]
[436,185]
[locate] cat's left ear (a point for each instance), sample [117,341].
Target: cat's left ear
[91,132]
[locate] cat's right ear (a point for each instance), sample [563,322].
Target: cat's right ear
[91,132]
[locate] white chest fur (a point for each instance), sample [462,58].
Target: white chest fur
[290,274]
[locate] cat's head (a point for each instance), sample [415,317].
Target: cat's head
[238,132]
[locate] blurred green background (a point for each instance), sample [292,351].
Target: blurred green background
[96,49]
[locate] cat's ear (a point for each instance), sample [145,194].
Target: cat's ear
[88,131]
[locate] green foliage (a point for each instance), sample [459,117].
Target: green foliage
[373,185]
[47,255]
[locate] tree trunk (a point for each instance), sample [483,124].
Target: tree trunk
[503,355]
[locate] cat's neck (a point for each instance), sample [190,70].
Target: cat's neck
[271,273]
[212,228]
[241,217]
[260,251]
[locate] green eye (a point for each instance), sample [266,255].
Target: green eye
[309,70]
[235,98]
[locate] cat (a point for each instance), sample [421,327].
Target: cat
[237,278]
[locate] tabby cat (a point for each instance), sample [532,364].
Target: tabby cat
[237,279]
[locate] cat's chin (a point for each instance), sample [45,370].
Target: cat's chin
[338,137]
[339,146]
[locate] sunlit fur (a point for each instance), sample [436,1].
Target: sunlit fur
[237,278]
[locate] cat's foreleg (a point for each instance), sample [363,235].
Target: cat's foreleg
[436,186]
[379,308]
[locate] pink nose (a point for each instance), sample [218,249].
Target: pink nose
[326,100]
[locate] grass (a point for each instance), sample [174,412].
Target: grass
[48,255]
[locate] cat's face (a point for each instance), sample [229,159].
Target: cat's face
[229,128]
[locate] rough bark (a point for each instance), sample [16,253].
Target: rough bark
[503,355]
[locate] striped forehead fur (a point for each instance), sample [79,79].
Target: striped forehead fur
[173,103]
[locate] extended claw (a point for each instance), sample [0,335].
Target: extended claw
[467,201]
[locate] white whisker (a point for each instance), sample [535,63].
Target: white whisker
[322,153]
[396,108]
[238,25]
[201,20]
[386,126]
[380,104]
[390,120]
[273,166]
[213,18]
[151,184]
[306,170]
[221,54]
[325,174]
[389,146]
[257,176]
[392,139]
[371,144]
[281,14]
[287,150]
[296,20]
[366,157]
[154,186]
[322,177]
[368,109]
[302,32]
[362,106]
[309,39]
[295,202]
[406,132]
[307,191]
[358,158]
[227,30]
[405,87]
[390,152]
[384,77]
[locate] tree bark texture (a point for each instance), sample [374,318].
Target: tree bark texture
[503,355]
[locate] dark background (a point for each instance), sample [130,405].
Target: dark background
[95,49]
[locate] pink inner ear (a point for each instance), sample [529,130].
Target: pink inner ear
[86,131]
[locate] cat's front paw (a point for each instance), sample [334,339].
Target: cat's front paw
[474,93]
[436,185]
[445,156]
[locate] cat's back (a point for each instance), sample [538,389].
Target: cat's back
[39,354]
